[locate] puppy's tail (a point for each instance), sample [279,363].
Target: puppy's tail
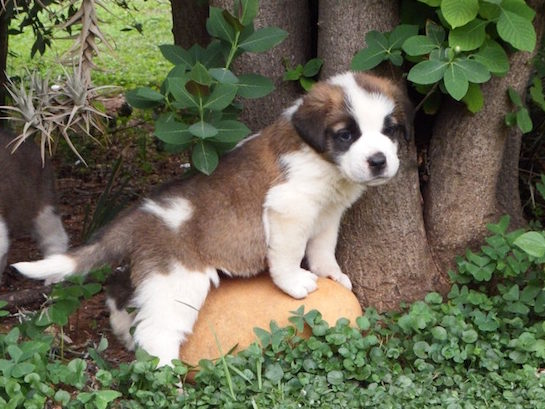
[111,245]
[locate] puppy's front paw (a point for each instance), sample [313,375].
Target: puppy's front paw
[298,283]
[343,279]
[334,272]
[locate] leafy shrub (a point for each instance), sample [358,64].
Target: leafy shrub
[483,346]
[197,98]
[452,46]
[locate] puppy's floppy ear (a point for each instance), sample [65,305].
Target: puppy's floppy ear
[310,119]
[309,122]
[405,110]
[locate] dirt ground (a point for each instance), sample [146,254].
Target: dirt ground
[78,189]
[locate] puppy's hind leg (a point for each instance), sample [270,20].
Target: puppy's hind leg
[167,308]
[4,245]
[49,232]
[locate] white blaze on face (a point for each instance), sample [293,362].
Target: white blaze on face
[369,111]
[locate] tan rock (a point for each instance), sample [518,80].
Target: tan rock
[233,310]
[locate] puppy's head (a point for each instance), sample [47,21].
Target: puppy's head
[355,121]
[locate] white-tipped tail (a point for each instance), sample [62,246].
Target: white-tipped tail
[52,269]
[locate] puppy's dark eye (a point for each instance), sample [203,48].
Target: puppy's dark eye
[391,130]
[344,135]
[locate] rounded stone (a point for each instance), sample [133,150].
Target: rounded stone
[238,305]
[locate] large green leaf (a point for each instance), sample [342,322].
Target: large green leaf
[368,58]
[176,54]
[427,72]
[230,131]
[312,67]
[176,87]
[419,45]
[435,32]
[473,98]
[223,75]
[263,39]
[516,30]
[218,27]
[459,12]
[204,157]
[474,71]
[249,11]
[221,97]
[494,57]
[144,97]
[518,7]
[254,86]
[200,74]
[532,243]
[398,36]
[171,131]
[468,37]
[455,82]
[203,130]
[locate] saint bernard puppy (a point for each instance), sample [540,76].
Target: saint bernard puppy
[275,198]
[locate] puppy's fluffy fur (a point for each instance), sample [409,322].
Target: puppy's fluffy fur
[27,200]
[275,198]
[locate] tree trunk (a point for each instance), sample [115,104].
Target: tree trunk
[474,165]
[4,25]
[189,22]
[382,244]
[292,16]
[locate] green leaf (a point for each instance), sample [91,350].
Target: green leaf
[22,369]
[176,87]
[435,32]
[468,37]
[254,86]
[376,39]
[368,58]
[401,33]
[204,157]
[171,131]
[514,97]
[456,82]
[421,349]
[263,39]
[516,30]
[494,57]
[459,12]
[474,71]
[536,93]
[312,67]
[230,131]
[335,377]
[144,97]
[512,294]
[203,130]
[177,55]
[532,243]
[518,7]
[306,83]
[274,373]
[363,323]
[427,72]
[249,11]
[524,122]
[200,75]
[473,98]
[470,336]
[439,333]
[223,75]
[217,26]
[419,45]
[221,97]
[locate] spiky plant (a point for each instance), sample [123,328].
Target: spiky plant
[66,108]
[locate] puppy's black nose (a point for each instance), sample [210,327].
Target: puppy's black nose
[377,161]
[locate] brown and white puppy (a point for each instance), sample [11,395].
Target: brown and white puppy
[27,200]
[275,198]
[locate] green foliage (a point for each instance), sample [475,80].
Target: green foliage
[521,117]
[305,74]
[197,98]
[453,46]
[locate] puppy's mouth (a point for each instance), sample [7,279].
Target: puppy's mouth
[378,180]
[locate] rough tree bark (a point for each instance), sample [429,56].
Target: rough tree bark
[474,164]
[189,22]
[4,25]
[382,244]
[292,16]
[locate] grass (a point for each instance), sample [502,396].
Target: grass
[135,59]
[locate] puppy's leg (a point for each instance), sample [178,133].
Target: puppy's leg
[321,248]
[121,322]
[287,240]
[4,245]
[167,308]
[49,232]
